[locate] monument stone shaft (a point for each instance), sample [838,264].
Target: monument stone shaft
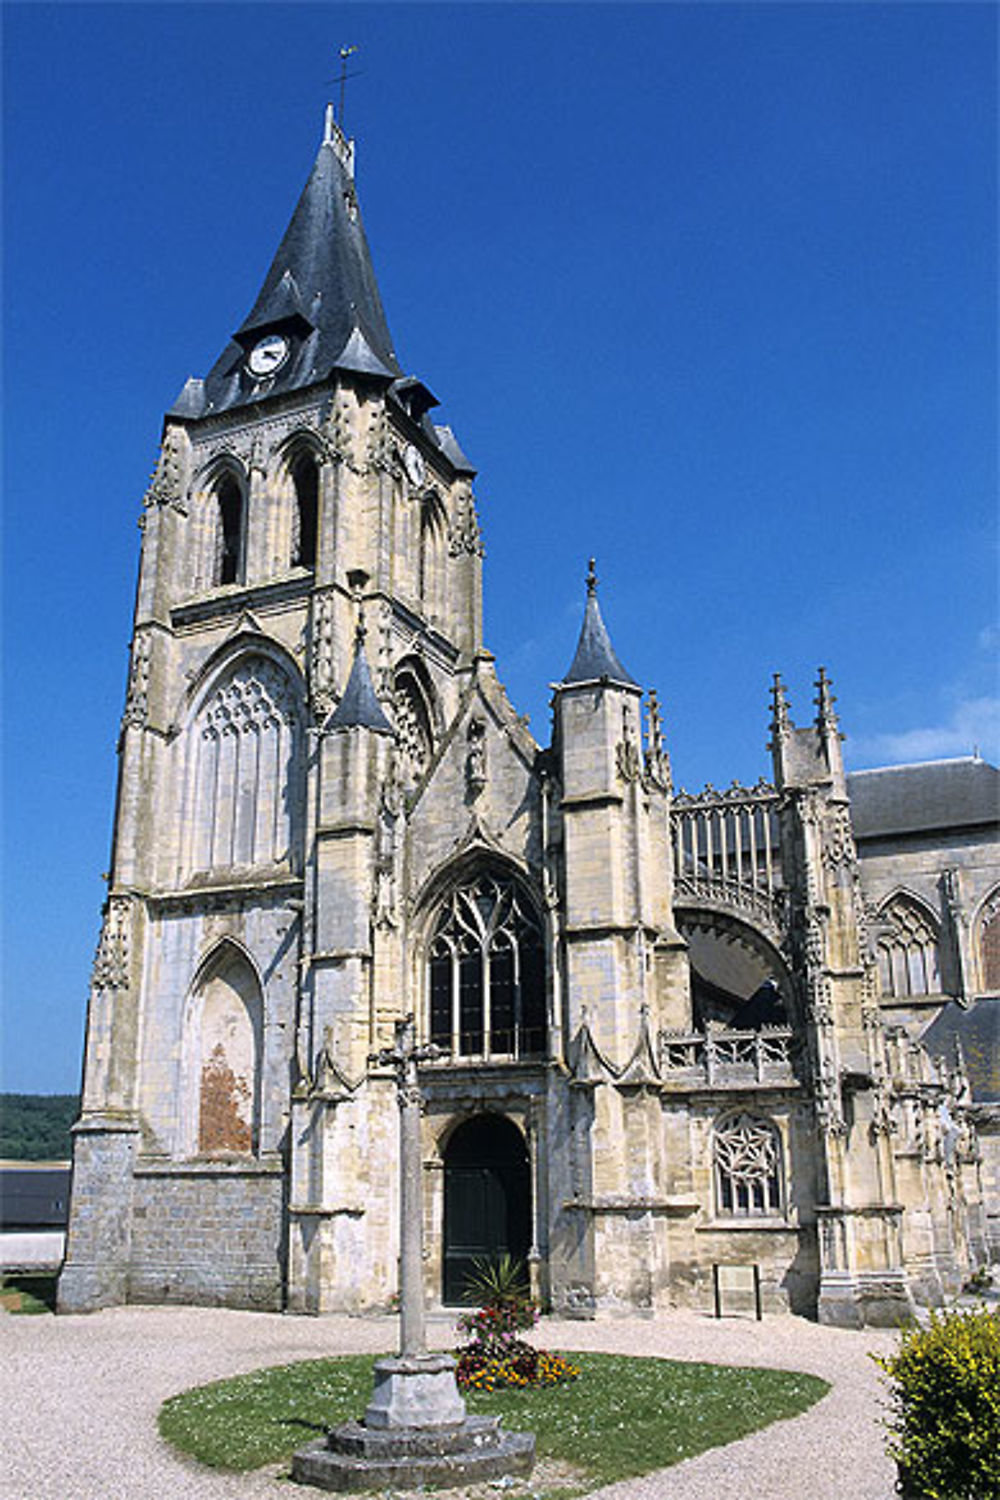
[415,1430]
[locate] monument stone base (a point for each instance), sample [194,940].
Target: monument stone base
[356,1457]
[415,1432]
[416,1390]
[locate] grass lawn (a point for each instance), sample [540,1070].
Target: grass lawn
[621,1418]
[28,1291]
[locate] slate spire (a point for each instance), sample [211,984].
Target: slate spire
[595,656]
[319,303]
[359,708]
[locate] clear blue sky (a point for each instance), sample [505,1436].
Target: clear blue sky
[707,290]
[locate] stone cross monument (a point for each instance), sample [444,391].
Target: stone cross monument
[415,1430]
[416,1389]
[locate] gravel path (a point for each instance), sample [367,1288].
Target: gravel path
[80,1397]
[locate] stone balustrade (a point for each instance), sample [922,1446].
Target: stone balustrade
[727,1059]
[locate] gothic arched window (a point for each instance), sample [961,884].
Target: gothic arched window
[412,719]
[989,945]
[747,1154]
[486,973]
[224,1047]
[908,950]
[305,516]
[230,527]
[244,792]
[431,562]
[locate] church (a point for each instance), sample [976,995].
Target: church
[673,1032]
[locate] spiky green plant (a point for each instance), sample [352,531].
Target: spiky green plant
[497,1281]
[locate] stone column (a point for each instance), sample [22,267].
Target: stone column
[412,1325]
[415,1389]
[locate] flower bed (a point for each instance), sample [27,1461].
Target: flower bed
[523,1366]
[496,1357]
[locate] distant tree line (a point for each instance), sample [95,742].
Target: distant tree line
[35,1127]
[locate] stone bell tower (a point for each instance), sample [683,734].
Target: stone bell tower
[308,614]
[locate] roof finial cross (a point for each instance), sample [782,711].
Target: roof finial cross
[345,53]
[591,576]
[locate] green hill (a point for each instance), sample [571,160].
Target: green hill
[35,1127]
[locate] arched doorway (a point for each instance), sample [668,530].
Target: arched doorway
[487,1199]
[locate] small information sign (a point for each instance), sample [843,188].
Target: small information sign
[737,1291]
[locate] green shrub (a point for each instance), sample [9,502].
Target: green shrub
[945,1407]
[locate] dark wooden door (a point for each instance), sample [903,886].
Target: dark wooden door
[487,1200]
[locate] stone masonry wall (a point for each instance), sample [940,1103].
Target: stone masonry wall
[208,1235]
[97,1244]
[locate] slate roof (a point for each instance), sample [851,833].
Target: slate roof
[449,445]
[34,1197]
[937,794]
[320,291]
[978,1031]
[595,657]
[359,708]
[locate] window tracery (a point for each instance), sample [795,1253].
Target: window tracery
[486,973]
[747,1167]
[412,721]
[245,768]
[908,950]
[989,945]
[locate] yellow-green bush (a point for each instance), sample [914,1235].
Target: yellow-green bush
[945,1396]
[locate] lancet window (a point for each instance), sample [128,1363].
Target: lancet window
[305,515]
[908,950]
[747,1151]
[486,973]
[229,531]
[432,554]
[245,753]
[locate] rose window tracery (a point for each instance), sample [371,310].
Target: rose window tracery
[747,1166]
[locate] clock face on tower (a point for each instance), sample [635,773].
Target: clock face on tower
[268,354]
[413,463]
